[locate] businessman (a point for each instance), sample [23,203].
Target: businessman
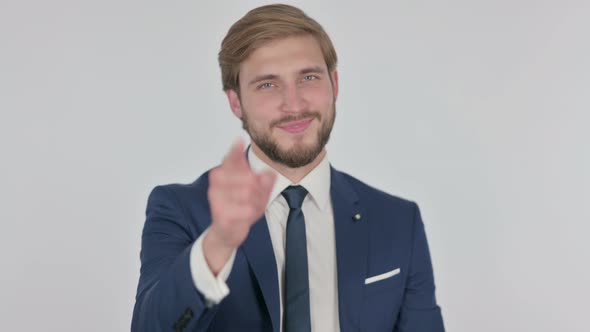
[275,238]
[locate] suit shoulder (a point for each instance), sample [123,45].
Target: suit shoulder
[388,213]
[369,193]
[181,191]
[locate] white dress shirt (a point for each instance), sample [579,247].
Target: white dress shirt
[321,246]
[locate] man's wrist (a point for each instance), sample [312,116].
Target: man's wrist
[216,252]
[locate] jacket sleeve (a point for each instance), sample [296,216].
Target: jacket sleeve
[167,299]
[419,312]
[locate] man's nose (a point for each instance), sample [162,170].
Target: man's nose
[293,100]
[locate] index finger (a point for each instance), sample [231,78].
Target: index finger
[236,158]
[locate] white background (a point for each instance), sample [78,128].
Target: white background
[477,110]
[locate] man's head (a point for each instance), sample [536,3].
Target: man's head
[278,69]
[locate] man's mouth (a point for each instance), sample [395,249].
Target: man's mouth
[295,127]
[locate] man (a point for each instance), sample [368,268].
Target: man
[275,239]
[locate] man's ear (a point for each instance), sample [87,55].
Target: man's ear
[234,102]
[334,77]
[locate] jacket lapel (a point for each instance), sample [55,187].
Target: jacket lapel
[260,255]
[352,236]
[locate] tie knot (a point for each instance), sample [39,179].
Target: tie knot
[294,196]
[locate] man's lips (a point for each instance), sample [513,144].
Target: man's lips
[296,127]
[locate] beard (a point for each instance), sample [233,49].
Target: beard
[300,154]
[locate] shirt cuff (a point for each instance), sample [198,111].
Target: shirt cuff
[213,288]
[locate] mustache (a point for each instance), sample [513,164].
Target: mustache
[300,116]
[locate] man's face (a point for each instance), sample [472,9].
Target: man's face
[287,100]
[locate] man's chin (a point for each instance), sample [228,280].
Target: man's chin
[296,148]
[300,154]
[288,141]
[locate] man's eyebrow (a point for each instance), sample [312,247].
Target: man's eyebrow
[304,71]
[262,78]
[312,70]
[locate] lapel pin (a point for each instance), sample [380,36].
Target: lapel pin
[357,217]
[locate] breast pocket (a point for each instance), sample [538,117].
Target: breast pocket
[387,283]
[383,295]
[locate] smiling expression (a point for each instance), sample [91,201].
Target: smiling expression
[287,99]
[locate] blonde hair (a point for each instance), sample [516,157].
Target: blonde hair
[262,25]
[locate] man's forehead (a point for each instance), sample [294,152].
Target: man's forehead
[285,56]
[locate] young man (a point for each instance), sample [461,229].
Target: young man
[275,239]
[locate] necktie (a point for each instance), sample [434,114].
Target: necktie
[296,316]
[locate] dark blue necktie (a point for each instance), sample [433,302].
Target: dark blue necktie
[296,315]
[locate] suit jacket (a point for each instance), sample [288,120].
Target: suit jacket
[389,235]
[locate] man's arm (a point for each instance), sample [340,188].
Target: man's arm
[166,296]
[419,312]
[182,281]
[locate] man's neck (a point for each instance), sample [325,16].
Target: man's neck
[293,174]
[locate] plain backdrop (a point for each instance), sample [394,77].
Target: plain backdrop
[477,110]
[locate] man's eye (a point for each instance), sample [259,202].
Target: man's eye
[265,86]
[309,78]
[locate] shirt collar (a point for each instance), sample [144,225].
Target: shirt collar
[316,182]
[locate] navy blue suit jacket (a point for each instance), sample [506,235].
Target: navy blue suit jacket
[389,235]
